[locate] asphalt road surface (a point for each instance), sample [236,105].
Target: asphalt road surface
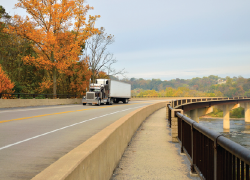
[32,138]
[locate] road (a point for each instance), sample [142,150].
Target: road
[32,138]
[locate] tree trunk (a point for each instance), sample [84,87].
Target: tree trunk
[54,81]
[54,74]
[93,76]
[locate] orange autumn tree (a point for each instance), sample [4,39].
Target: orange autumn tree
[79,75]
[6,85]
[58,29]
[102,75]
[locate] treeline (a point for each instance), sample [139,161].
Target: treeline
[206,86]
[172,92]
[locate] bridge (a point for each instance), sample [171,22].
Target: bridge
[211,155]
[195,108]
[69,141]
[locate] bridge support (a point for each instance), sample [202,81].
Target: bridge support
[196,113]
[226,120]
[246,107]
[226,112]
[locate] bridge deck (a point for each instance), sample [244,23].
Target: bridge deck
[151,153]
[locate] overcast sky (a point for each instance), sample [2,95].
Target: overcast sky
[170,39]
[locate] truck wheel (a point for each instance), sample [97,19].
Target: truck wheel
[125,101]
[83,103]
[111,102]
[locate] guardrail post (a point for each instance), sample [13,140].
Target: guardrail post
[168,113]
[216,159]
[193,150]
[181,135]
[174,124]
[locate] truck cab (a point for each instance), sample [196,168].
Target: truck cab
[98,93]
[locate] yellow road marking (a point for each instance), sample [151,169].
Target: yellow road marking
[59,113]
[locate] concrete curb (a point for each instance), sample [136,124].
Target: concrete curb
[9,103]
[97,157]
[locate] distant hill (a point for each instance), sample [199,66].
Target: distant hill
[228,87]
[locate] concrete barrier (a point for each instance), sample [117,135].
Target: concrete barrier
[8,103]
[97,157]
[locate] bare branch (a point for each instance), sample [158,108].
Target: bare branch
[99,58]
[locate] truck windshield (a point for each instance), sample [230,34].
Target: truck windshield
[94,90]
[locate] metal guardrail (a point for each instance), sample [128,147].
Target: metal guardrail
[212,156]
[37,96]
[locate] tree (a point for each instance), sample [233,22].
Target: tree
[57,29]
[170,91]
[99,58]
[102,75]
[79,77]
[6,85]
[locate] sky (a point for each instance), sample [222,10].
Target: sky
[167,39]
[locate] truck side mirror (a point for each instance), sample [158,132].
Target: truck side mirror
[107,82]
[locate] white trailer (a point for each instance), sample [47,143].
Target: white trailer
[107,91]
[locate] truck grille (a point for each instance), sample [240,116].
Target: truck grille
[90,95]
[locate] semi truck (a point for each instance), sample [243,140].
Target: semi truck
[107,91]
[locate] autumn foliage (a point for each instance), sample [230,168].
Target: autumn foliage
[102,75]
[172,92]
[6,85]
[57,31]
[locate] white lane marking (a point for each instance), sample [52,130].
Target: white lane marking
[19,142]
[37,108]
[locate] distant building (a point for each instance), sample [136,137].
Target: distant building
[221,81]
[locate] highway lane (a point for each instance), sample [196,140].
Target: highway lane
[33,138]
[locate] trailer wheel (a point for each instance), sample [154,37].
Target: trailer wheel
[125,101]
[83,103]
